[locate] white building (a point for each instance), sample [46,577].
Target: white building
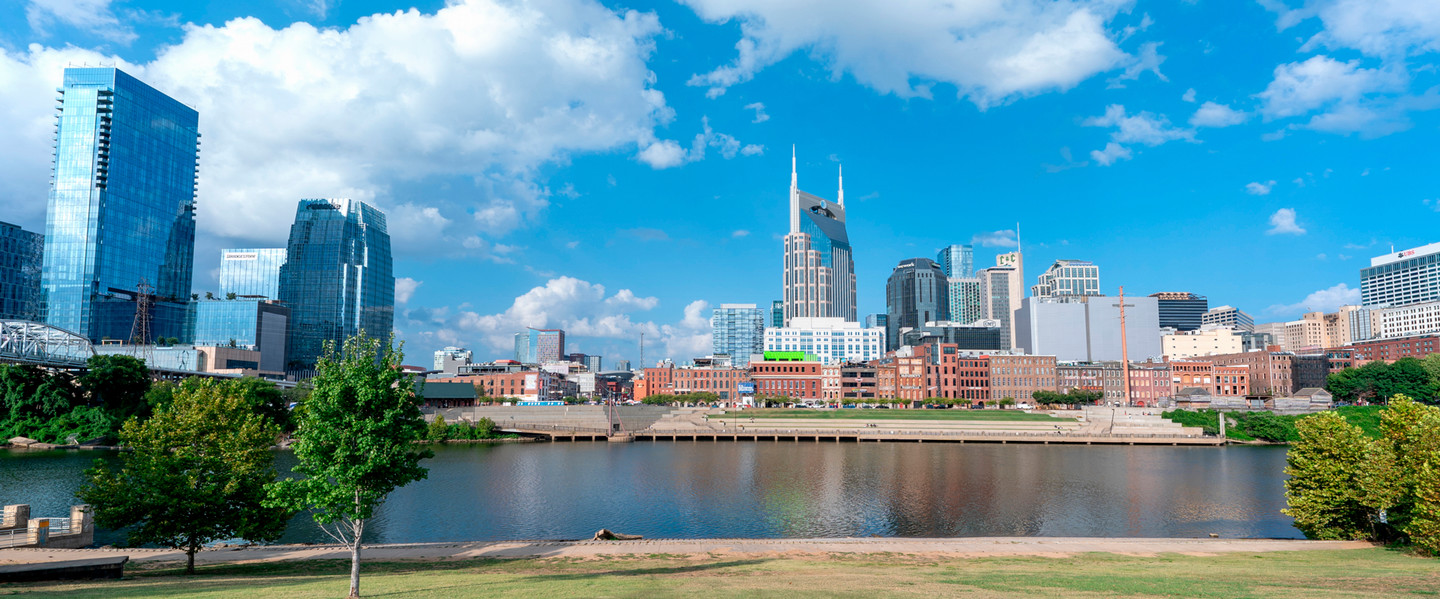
[1087,329]
[1229,316]
[1068,278]
[830,340]
[1209,340]
[1407,321]
[1002,287]
[450,359]
[1402,278]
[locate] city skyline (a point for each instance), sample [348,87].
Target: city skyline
[546,240]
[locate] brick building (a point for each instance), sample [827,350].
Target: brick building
[1105,377]
[1391,350]
[1019,377]
[800,381]
[858,383]
[519,386]
[724,382]
[1270,371]
[1150,382]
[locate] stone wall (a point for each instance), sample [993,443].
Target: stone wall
[631,417]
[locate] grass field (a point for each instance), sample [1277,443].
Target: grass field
[858,414]
[1349,573]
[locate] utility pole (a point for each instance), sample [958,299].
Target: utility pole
[1124,346]
[642,350]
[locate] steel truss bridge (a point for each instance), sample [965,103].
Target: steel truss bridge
[26,342]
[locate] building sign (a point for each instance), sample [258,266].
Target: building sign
[745,387]
[241,255]
[539,403]
[789,356]
[531,382]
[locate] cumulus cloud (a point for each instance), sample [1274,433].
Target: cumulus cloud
[1381,28]
[1110,154]
[480,90]
[91,16]
[1257,188]
[1004,238]
[759,109]
[1324,300]
[1211,114]
[667,154]
[1343,97]
[991,52]
[1142,128]
[1189,95]
[1283,223]
[405,289]
[740,233]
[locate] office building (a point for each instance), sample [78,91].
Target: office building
[338,278]
[1269,372]
[1305,334]
[1405,321]
[1207,341]
[1068,278]
[245,323]
[1402,278]
[798,380]
[877,321]
[981,335]
[1087,329]
[1182,311]
[724,382]
[594,363]
[1228,316]
[827,340]
[21,259]
[777,314]
[538,346]
[1019,377]
[251,272]
[1275,330]
[450,359]
[1390,350]
[1340,325]
[738,331]
[1002,288]
[622,365]
[121,215]
[819,275]
[1108,378]
[958,261]
[966,301]
[917,292]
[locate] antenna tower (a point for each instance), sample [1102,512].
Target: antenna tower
[140,329]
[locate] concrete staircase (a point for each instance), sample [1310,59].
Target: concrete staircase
[1133,422]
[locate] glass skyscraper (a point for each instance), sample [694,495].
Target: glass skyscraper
[338,277]
[537,346]
[122,207]
[819,272]
[738,330]
[21,257]
[958,261]
[251,272]
[247,324]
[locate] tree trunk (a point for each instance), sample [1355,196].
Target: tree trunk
[190,559]
[355,560]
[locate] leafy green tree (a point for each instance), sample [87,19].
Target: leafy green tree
[485,428]
[196,473]
[266,399]
[118,383]
[355,442]
[1006,402]
[1324,490]
[438,430]
[1409,440]
[1377,382]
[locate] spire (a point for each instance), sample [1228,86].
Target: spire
[794,181]
[794,195]
[841,198]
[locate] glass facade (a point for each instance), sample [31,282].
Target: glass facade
[246,324]
[738,330]
[21,258]
[1403,278]
[1181,311]
[121,208]
[1068,278]
[958,261]
[966,303]
[537,346]
[251,272]
[338,277]
[916,293]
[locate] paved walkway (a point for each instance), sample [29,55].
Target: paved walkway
[958,547]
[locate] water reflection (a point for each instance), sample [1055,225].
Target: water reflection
[566,491]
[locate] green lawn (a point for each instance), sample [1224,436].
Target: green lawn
[858,414]
[1349,573]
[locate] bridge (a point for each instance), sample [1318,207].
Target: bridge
[875,435]
[39,344]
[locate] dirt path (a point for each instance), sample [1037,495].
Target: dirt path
[957,547]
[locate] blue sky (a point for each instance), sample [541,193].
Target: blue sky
[612,169]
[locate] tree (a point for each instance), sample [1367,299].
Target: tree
[1324,491]
[1006,402]
[355,442]
[196,473]
[118,383]
[438,430]
[230,295]
[1377,381]
[266,399]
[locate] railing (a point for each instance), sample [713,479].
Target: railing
[900,432]
[553,427]
[14,537]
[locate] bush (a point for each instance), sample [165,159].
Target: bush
[486,428]
[438,430]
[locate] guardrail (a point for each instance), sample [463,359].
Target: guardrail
[554,428]
[14,537]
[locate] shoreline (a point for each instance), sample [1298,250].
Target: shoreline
[961,547]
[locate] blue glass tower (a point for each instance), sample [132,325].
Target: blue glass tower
[21,256]
[738,330]
[122,207]
[338,278]
[251,272]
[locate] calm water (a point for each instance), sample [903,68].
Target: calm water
[568,491]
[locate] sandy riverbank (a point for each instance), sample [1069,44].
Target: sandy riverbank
[956,547]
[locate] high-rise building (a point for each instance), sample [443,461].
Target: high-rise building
[958,261]
[777,314]
[593,362]
[827,340]
[450,359]
[819,276]
[877,321]
[538,346]
[21,260]
[966,302]
[1402,278]
[1087,328]
[338,277]
[1002,288]
[252,324]
[1068,278]
[917,292]
[1206,341]
[1228,316]
[738,330]
[622,365]
[251,272]
[122,207]
[1182,311]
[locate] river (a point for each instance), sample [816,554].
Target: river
[786,489]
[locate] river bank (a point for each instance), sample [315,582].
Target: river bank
[1050,568]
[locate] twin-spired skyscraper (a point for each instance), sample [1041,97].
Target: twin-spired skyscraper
[819,276]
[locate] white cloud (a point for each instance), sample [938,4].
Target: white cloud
[662,154]
[93,16]
[740,233]
[759,109]
[691,336]
[1256,188]
[992,52]
[1189,95]
[1111,154]
[752,150]
[667,154]
[480,90]
[1211,114]
[1381,28]
[1004,238]
[1324,300]
[405,289]
[1283,223]
[1300,87]
[1148,60]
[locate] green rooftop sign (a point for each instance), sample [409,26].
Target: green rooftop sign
[789,356]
